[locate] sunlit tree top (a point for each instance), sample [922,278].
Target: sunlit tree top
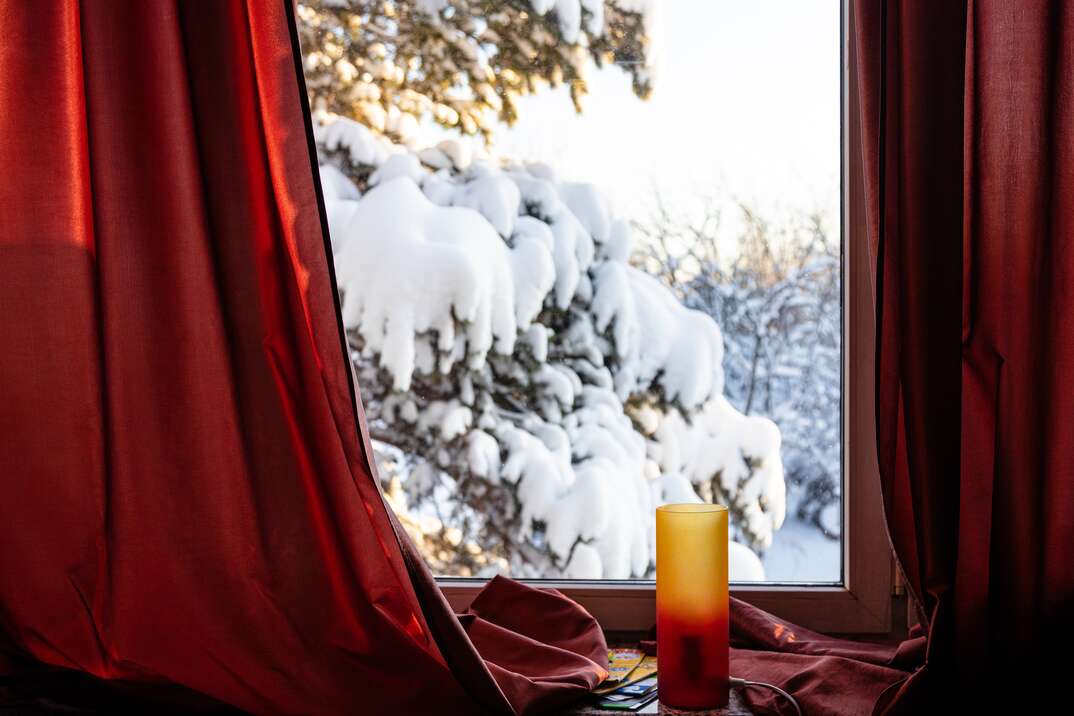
[463,63]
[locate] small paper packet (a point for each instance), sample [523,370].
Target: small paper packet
[621,662]
[646,667]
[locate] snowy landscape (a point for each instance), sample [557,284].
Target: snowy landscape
[540,370]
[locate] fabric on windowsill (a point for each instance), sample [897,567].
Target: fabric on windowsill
[826,675]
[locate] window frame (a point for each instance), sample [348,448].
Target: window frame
[862,602]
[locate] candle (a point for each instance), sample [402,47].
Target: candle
[692,605]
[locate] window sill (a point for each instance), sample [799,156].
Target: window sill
[631,607]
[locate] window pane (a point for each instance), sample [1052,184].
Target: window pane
[589,261]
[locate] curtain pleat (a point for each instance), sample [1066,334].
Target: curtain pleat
[967,107]
[187,504]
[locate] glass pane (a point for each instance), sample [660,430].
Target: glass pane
[589,261]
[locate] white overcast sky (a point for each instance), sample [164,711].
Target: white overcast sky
[745,107]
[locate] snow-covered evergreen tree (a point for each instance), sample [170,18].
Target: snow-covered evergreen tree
[533,395]
[777,301]
[464,63]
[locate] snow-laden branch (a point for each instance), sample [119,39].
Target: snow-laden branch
[502,336]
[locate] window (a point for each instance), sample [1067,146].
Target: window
[598,256]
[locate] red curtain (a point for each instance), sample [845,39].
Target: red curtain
[968,111]
[826,675]
[185,499]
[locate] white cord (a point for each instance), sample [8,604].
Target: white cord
[743,684]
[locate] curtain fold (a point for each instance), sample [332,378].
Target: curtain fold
[186,502]
[969,155]
[826,675]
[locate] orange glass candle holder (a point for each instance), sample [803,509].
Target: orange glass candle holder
[692,605]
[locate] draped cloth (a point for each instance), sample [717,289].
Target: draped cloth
[828,676]
[968,146]
[187,508]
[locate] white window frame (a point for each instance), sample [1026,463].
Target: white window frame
[862,602]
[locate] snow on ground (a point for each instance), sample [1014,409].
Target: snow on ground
[801,553]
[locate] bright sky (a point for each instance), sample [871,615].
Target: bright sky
[746,106]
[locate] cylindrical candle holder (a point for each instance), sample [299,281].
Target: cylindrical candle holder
[692,605]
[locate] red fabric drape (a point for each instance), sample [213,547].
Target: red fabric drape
[827,676]
[185,500]
[968,110]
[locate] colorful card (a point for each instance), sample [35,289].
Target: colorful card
[646,667]
[621,662]
[630,704]
[653,707]
[634,690]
